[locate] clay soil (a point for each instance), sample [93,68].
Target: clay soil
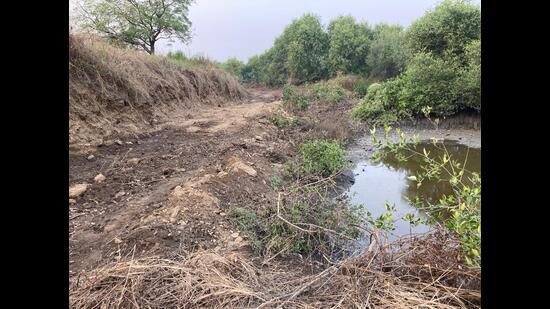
[167,192]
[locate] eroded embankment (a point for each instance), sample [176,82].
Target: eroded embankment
[116,92]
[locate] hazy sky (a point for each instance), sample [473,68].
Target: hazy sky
[243,28]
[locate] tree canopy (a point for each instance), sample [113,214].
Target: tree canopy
[138,23]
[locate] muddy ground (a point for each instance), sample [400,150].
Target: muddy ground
[167,192]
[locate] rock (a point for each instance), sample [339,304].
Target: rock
[222,174]
[129,143]
[72,201]
[258,137]
[235,235]
[90,157]
[192,129]
[239,165]
[118,142]
[120,194]
[99,178]
[133,161]
[77,189]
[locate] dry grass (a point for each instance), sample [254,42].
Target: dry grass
[114,90]
[418,272]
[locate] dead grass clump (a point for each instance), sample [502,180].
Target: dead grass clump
[114,90]
[416,272]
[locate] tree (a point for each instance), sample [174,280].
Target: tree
[471,76]
[138,23]
[234,66]
[349,44]
[305,44]
[447,30]
[388,54]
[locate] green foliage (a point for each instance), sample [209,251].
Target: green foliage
[137,23]
[361,88]
[327,92]
[432,81]
[276,182]
[304,44]
[282,122]
[381,105]
[460,211]
[385,221]
[234,66]
[447,30]
[470,78]
[388,54]
[348,45]
[321,157]
[294,98]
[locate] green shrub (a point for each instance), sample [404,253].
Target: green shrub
[294,99]
[368,109]
[361,88]
[381,105]
[282,122]
[432,81]
[470,77]
[329,93]
[234,66]
[321,157]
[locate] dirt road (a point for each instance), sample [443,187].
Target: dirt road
[166,192]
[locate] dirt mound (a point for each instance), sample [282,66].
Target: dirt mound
[116,92]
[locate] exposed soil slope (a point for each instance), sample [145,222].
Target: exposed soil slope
[116,92]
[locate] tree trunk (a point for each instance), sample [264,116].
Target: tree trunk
[152,47]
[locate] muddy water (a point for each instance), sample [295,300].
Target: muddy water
[386,182]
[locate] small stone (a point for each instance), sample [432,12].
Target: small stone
[222,214]
[118,142]
[258,137]
[120,194]
[129,143]
[72,201]
[235,235]
[133,161]
[90,157]
[78,189]
[99,178]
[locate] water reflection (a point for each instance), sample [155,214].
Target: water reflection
[433,190]
[387,181]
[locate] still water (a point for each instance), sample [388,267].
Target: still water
[386,182]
